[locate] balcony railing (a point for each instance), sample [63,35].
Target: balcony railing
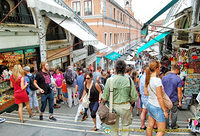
[17,18]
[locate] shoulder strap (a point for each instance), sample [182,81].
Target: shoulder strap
[111,95]
[151,89]
[91,84]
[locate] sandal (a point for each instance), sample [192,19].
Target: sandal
[21,121]
[95,129]
[31,115]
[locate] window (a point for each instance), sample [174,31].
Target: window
[90,50]
[76,7]
[118,38]
[118,15]
[105,8]
[88,7]
[121,17]
[115,38]
[78,46]
[114,12]
[105,38]
[110,39]
[121,37]
[55,32]
[110,10]
[21,15]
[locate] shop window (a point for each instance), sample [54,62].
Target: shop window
[76,7]
[78,44]
[90,50]
[88,7]
[21,15]
[55,32]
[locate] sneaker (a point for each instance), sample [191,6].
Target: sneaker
[56,106]
[41,117]
[2,120]
[52,118]
[84,117]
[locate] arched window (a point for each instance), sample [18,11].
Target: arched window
[78,44]
[55,32]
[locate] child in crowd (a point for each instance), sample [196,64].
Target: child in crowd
[64,91]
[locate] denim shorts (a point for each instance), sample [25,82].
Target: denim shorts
[156,113]
[59,91]
[65,95]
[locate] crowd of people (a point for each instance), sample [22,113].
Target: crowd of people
[144,91]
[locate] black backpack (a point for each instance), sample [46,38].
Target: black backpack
[69,77]
[31,85]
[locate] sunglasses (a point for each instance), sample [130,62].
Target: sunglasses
[87,78]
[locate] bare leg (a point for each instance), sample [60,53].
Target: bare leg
[94,120]
[20,111]
[29,109]
[143,117]
[161,128]
[151,122]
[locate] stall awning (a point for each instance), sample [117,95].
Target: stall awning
[100,46]
[144,29]
[98,60]
[75,29]
[113,56]
[155,40]
[57,53]
[50,6]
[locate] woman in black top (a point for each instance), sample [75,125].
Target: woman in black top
[95,96]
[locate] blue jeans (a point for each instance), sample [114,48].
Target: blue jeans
[59,91]
[44,98]
[33,99]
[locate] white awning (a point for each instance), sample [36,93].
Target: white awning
[130,62]
[100,46]
[76,30]
[50,6]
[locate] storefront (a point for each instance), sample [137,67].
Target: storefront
[8,58]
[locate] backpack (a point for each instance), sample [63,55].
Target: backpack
[69,77]
[31,85]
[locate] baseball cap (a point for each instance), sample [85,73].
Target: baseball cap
[27,68]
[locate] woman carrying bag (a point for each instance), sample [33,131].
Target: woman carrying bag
[93,96]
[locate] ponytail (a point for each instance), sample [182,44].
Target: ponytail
[148,75]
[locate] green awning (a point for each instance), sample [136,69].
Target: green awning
[144,29]
[113,56]
[98,60]
[155,40]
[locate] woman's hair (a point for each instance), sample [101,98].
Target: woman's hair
[57,68]
[42,64]
[89,74]
[149,70]
[120,67]
[134,74]
[17,72]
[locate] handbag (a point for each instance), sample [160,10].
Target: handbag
[86,100]
[167,101]
[106,114]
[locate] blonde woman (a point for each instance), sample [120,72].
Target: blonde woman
[17,81]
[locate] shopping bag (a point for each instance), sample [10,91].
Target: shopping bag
[80,108]
[98,121]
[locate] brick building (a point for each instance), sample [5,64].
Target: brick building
[115,26]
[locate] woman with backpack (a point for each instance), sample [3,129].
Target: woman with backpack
[17,81]
[94,98]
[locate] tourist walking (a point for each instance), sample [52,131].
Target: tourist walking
[31,89]
[123,92]
[172,86]
[94,98]
[43,83]
[157,111]
[18,82]
[144,98]
[97,75]
[80,89]
[58,76]
[70,78]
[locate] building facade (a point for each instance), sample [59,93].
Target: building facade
[115,26]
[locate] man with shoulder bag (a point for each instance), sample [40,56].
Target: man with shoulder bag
[119,92]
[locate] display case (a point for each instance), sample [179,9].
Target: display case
[6,95]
